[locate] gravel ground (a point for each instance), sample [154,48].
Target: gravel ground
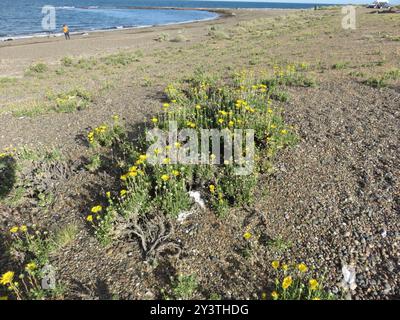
[336,194]
[332,201]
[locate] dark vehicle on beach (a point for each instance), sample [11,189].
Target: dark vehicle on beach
[379,5]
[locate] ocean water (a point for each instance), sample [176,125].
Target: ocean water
[21,18]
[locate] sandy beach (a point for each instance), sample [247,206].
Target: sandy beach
[16,55]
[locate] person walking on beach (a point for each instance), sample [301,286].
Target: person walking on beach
[66,32]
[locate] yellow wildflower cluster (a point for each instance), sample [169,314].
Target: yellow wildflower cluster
[260,87]
[135,170]
[94,210]
[296,283]
[7,278]
[26,284]
[247,235]
[97,132]
[199,104]
[190,124]
[16,229]
[8,152]
[283,72]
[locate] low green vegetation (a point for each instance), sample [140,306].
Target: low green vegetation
[31,248]
[197,103]
[297,282]
[218,33]
[340,65]
[179,38]
[37,68]
[382,81]
[182,288]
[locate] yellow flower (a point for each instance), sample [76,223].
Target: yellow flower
[191,124]
[167,161]
[274,295]
[165,177]
[3,298]
[108,194]
[302,267]
[198,107]
[284,131]
[89,218]
[263,296]
[166,105]
[177,144]
[154,120]
[133,168]
[142,157]
[275,264]
[96,209]
[31,266]
[231,123]
[273,126]
[221,121]
[316,298]
[284,267]
[14,229]
[123,192]
[7,278]
[212,188]
[175,173]
[287,282]
[313,284]
[132,173]
[23,228]
[124,177]
[247,235]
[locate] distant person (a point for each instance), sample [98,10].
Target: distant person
[66,32]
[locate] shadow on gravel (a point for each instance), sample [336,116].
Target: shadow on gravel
[98,291]
[134,131]
[7,175]
[4,261]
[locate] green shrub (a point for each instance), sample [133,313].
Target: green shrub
[179,38]
[67,61]
[77,99]
[296,282]
[184,287]
[37,68]
[120,59]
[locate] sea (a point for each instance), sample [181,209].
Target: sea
[39,18]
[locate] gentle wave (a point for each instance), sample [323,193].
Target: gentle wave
[86,32]
[64,7]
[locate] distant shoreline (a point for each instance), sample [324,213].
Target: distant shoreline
[17,55]
[221,13]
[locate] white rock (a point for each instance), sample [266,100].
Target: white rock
[184,215]
[197,198]
[349,277]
